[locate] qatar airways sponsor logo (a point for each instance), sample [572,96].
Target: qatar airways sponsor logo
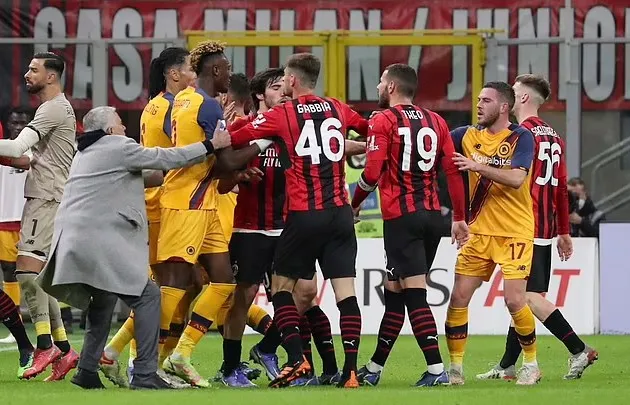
[491,160]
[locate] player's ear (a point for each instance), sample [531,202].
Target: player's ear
[391,86]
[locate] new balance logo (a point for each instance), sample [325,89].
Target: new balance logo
[386,341]
[349,342]
[522,267]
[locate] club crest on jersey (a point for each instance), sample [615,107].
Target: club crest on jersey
[503,150]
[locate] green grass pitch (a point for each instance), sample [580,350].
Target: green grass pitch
[607,382]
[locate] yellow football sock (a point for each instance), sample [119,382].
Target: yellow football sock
[178,323]
[12,288]
[255,315]
[42,328]
[59,335]
[122,337]
[525,326]
[171,298]
[223,313]
[456,333]
[133,351]
[204,313]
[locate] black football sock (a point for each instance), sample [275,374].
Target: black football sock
[391,324]
[322,335]
[558,325]
[512,349]
[423,326]
[288,320]
[271,341]
[350,325]
[231,355]
[264,324]
[10,316]
[305,333]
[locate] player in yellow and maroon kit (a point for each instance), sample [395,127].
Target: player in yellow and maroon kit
[496,156]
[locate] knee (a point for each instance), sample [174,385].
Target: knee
[514,302]
[460,298]
[304,294]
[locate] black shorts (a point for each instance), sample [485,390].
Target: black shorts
[411,242]
[540,272]
[251,255]
[326,236]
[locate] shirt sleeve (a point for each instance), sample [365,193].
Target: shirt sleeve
[355,122]
[166,125]
[266,125]
[209,114]
[524,152]
[47,117]
[239,123]
[457,136]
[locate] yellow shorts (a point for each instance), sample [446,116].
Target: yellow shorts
[8,245]
[482,253]
[186,234]
[154,234]
[225,206]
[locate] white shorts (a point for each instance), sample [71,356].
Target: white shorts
[38,224]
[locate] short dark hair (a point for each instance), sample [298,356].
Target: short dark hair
[21,110]
[307,66]
[537,82]
[505,91]
[52,61]
[239,87]
[205,51]
[576,181]
[168,58]
[262,80]
[405,77]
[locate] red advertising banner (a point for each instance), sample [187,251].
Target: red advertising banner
[444,71]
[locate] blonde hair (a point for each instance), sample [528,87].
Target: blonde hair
[202,50]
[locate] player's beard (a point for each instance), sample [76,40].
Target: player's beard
[34,88]
[489,119]
[383,100]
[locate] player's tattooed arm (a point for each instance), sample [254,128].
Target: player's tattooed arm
[353,148]
[23,162]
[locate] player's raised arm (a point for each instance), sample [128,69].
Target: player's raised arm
[378,146]
[47,117]
[234,159]
[354,121]
[264,126]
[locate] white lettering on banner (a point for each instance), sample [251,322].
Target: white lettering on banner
[50,18]
[364,59]
[127,79]
[533,58]
[325,20]
[165,26]
[599,63]
[236,20]
[598,73]
[89,26]
[415,52]
[456,89]
[573,288]
[263,23]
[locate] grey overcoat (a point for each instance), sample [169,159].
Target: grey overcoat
[101,231]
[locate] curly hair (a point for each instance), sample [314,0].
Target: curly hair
[203,49]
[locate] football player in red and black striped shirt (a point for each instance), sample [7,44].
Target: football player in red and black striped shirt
[319,223]
[406,145]
[551,218]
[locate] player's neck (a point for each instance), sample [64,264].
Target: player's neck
[301,92]
[500,125]
[172,88]
[239,110]
[207,85]
[48,93]
[525,113]
[394,101]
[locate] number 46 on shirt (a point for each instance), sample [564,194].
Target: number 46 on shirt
[309,144]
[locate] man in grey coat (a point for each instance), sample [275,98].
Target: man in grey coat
[100,245]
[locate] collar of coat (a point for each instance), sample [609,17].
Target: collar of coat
[89,138]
